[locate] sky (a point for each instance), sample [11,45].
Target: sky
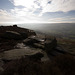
[37,11]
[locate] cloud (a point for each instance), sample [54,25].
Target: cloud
[46,5]
[38,11]
[67,19]
[18,16]
[30,7]
[58,5]
[26,3]
[5,16]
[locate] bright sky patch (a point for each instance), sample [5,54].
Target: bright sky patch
[33,11]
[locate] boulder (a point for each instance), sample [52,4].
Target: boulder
[1,64]
[30,41]
[50,46]
[15,25]
[36,56]
[1,69]
[12,35]
[24,35]
[15,32]
[31,32]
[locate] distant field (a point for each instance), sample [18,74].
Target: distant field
[63,30]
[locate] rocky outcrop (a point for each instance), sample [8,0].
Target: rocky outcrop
[36,56]
[15,25]
[1,64]
[24,35]
[12,35]
[50,46]
[15,32]
[30,41]
[31,32]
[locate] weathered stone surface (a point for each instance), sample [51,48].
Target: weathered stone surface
[15,35]
[30,41]
[1,69]
[1,64]
[12,35]
[15,32]
[50,45]
[31,32]
[24,35]
[18,53]
[36,56]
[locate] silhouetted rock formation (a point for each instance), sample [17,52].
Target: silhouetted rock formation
[12,35]
[14,32]
[50,46]
[15,25]
[31,32]
[24,35]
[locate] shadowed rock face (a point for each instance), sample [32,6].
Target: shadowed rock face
[24,35]
[12,35]
[30,41]
[15,25]
[51,45]
[36,56]
[14,32]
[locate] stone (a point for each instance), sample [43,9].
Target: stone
[1,69]
[50,46]
[1,62]
[31,32]
[15,25]
[15,32]
[24,35]
[12,35]
[36,56]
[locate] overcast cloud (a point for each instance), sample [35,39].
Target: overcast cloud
[33,10]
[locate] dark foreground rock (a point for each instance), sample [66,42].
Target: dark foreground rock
[15,32]
[50,46]
[62,65]
[36,57]
[11,35]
